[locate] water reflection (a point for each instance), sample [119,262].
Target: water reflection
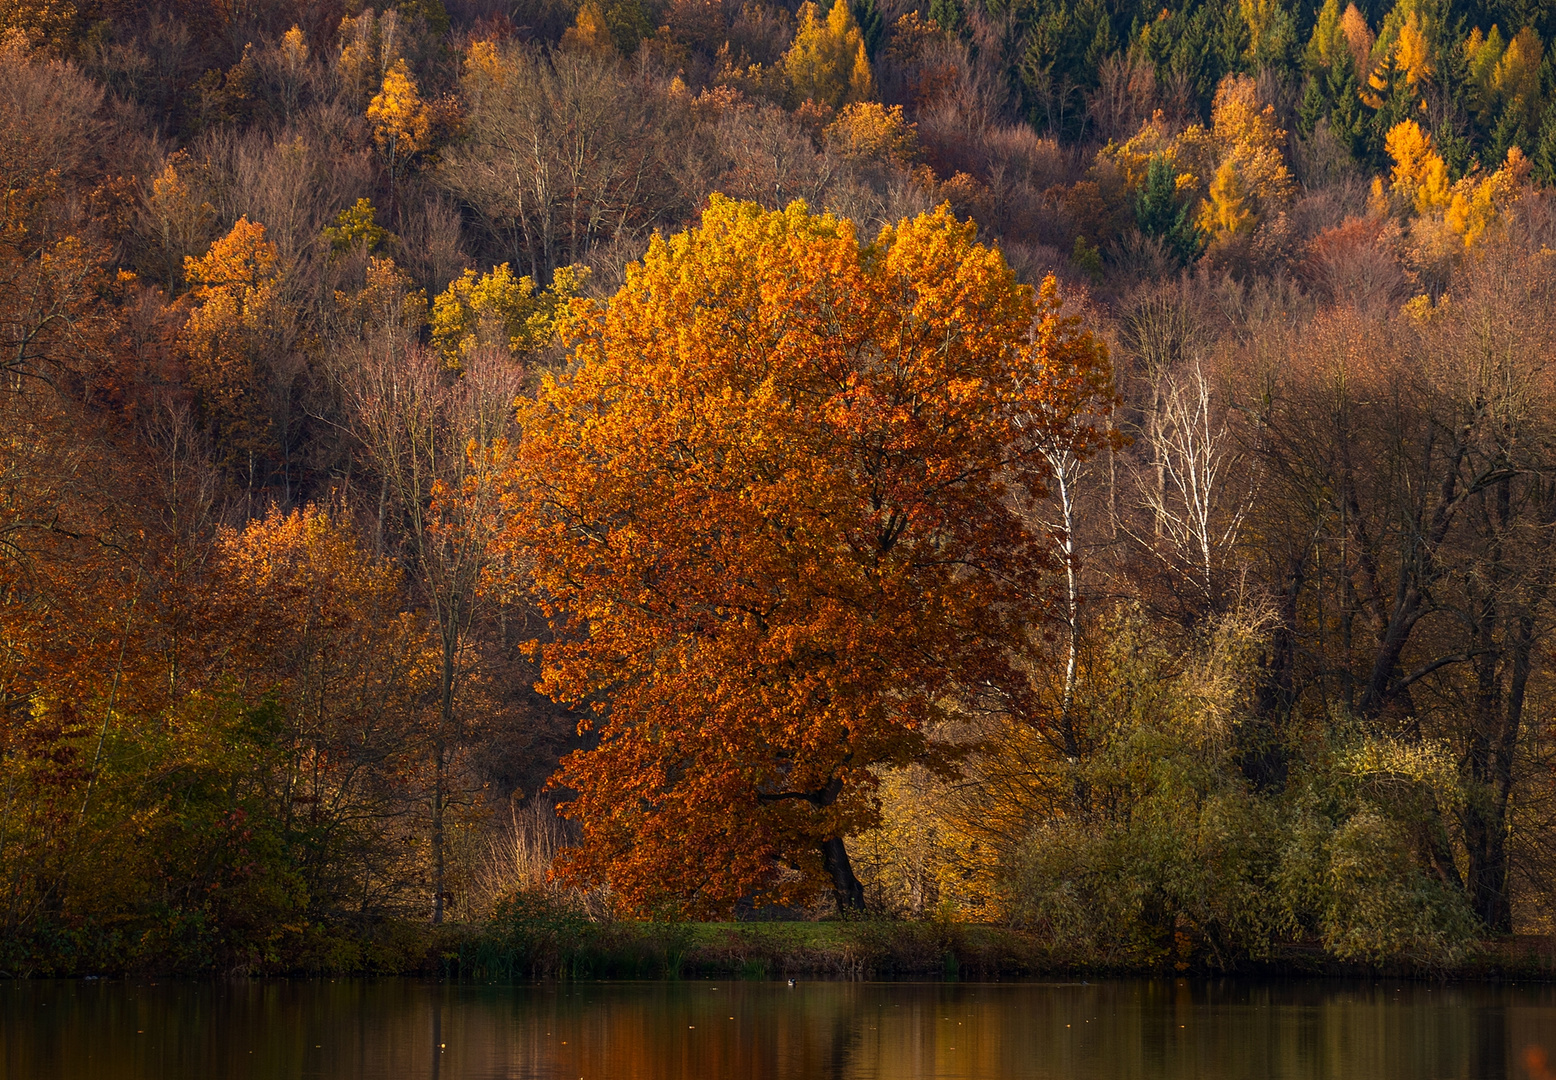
[407,1030]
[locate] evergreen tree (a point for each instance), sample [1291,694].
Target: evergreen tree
[1313,108]
[1346,117]
[828,62]
[947,14]
[1395,98]
[1544,156]
[871,23]
[1456,149]
[628,24]
[1160,213]
[1509,132]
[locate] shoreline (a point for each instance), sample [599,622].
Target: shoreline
[574,949]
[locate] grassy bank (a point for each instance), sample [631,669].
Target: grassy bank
[552,945]
[533,940]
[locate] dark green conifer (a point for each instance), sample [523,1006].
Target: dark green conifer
[947,14]
[1347,120]
[872,24]
[1161,213]
[1544,157]
[1314,107]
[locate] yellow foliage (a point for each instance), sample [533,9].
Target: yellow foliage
[1516,78]
[1258,16]
[1402,56]
[923,857]
[1225,211]
[1477,208]
[39,22]
[242,262]
[369,47]
[235,290]
[589,31]
[1481,55]
[305,614]
[179,216]
[294,49]
[400,120]
[497,310]
[387,309]
[1133,157]
[1419,176]
[1412,54]
[1236,167]
[356,226]
[1239,163]
[870,131]
[700,490]
[1421,308]
[1328,37]
[485,69]
[827,62]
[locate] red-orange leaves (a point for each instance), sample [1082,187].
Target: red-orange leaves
[773,509]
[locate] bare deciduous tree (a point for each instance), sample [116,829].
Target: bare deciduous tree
[434,438]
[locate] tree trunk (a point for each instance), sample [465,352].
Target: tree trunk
[1490,768]
[437,831]
[1262,752]
[846,888]
[1486,869]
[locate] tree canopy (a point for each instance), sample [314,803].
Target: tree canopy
[776,508]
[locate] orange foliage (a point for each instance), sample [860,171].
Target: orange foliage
[304,616]
[234,287]
[774,509]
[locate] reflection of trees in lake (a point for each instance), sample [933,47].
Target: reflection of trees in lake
[407,1030]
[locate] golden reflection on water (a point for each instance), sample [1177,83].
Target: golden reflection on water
[407,1030]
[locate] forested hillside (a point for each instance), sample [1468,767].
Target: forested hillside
[1081,465]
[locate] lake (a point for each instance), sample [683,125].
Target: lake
[401,1029]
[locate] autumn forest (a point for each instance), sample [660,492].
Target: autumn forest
[1082,468]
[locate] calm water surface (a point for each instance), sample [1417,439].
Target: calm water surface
[393,1029]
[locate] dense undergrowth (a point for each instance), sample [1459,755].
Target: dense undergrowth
[535,937]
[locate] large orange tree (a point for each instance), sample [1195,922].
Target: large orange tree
[775,511]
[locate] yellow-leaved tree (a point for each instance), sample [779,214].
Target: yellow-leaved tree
[870,131]
[1444,219]
[827,63]
[303,618]
[1413,52]
[370,44]
[1481,54]
[589,31]
[1239,161]
[1327,40]
[773,508]
[1402,60]
[177,220]
[1226,212]
[1517,80]
[495,310]
[231,332]
[1479,206]
[1419,177]
[401,123]
[1358,39]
